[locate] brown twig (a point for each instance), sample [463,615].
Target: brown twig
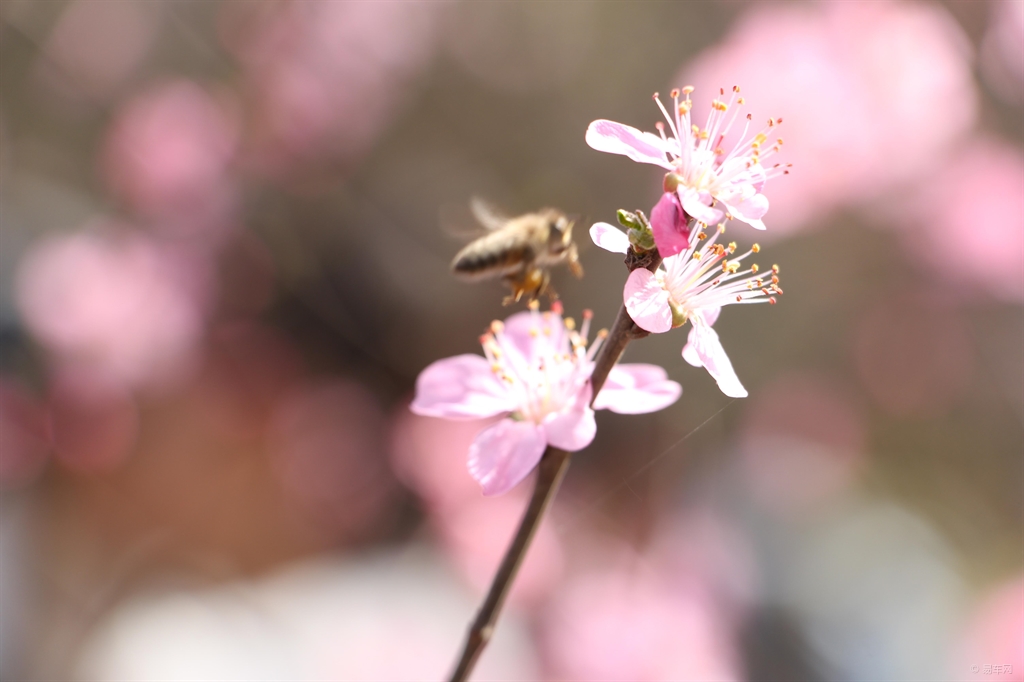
[550,472]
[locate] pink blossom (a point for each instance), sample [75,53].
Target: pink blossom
[536,373]
[878,91]
[120,305]
[670,225]
[712,183]
[693,286]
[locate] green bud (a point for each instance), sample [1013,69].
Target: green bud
[642,240]
[627,219]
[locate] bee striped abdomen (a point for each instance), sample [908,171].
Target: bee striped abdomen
[492,256]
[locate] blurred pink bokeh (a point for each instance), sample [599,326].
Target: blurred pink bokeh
[803,440]
[96,47]
[628,622]
[324,78]
[327,445]
[167,156]
[115,302]
[967,219]
[994,635]
[870,93]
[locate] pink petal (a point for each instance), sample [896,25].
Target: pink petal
[703,341]
[750,210]
[637,389]
[573,428]
[504,454]
[609,237]
[710,315]
[670,225]
[647,301]
[696,208]
[615,138]
[461,387]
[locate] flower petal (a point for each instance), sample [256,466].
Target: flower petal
[574,427]
[647,301]
[710,315]
[750,210]
[703,342]
[616,138]
[690,350]
[609,237]
[696,208]
[460,387]
[637,389]
[504,454]
[670,225]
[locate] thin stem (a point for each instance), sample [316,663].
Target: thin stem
[550,472]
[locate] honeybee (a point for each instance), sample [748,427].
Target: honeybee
[519,250]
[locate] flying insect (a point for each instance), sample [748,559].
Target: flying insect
[519,250]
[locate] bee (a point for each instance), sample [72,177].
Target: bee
[519,250]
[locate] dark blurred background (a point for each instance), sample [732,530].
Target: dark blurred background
[226,232]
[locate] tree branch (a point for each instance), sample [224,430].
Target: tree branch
[550,472]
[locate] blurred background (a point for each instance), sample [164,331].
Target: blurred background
[226,232]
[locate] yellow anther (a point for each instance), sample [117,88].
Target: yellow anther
[732,246]
[775,269]
[602,333]
[533,305]
[721,229]
[497,326]
[696,255]
[695,128]
[756,248]
[570,323]
[753,267]
[496,368]
[759,139]
[719,105]
[741,100]
[701,235]
[534,332]
[687,89]
[704,134]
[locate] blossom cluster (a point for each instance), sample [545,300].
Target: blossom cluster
[536,368]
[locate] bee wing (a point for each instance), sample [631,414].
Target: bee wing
[487,214]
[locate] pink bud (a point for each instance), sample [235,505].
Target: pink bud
[670,225]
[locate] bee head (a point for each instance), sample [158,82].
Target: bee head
[560,234]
